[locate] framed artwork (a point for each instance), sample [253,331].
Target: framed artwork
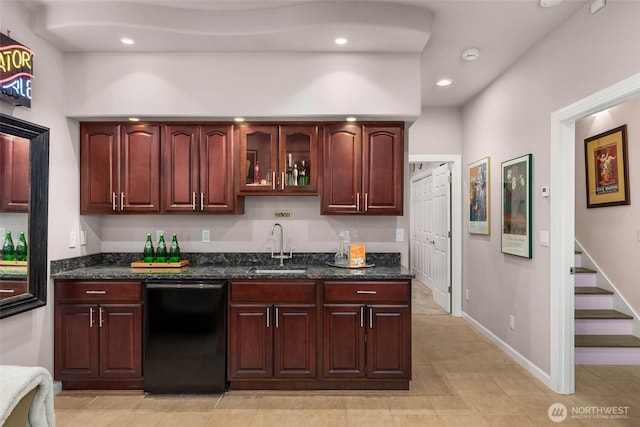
[516,206]
[479,197]
[607,168]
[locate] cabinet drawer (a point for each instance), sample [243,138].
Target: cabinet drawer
[98,291]
[367,292]
[265,291]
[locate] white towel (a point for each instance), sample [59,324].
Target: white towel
[16,382]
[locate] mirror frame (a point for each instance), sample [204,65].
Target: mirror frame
[38,215]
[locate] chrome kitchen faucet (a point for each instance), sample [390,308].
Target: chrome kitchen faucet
[281,256]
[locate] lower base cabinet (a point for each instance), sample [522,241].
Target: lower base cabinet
[98,334]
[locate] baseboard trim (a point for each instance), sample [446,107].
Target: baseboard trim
[510,351]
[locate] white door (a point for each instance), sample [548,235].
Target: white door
[421,228]
[441,240]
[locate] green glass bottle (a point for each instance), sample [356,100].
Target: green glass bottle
[161,252]
[8,251]
[174,250]
[148,253]
[21,248]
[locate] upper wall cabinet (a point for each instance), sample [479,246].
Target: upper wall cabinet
[198,165]
[14,174]
[363,169]
[278,159]
[119,168]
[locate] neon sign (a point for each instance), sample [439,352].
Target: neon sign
[16,71]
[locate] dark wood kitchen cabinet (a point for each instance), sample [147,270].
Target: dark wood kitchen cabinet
[119,168]
[14,174]
[199,169]
[278,159]
[98,334]
[272,332]
[363,167]
[367,331]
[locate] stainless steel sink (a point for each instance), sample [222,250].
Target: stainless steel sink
[279,270]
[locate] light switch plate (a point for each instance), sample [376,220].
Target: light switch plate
[399,235]
[72,239]
[206,236]
[544,238]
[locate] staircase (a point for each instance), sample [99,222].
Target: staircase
[603,336]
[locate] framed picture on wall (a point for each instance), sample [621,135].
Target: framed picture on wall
[607,168]
[516,206]
[479,197]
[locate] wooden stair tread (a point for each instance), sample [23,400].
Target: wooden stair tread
[607,341]
[600,314]
[583,270]
[591,290]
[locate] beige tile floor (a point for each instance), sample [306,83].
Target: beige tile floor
[459,379]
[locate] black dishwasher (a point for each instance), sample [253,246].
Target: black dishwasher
[185,336]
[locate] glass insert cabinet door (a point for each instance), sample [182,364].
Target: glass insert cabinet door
[278,159]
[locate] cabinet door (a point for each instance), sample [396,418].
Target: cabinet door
[258,150]
[388,342]
[250,341]
[343,343]
[294,341]
[120,340]
[99,145]
[14,174]
[342,170]
[76,341]
[140,169]
[383,170]
[298,147]
[180,160]
[217,169]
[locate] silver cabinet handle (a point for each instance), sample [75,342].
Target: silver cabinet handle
[7,291]
[91,317]
[276,317]
[267,317]
[193,201]
[122,201]
[282,182]
[370,318]
[95,292]
[201,201]
[366,202]
[358,202]
[362,317]
[367,292]
[273,180]
[113,201]
[100,317]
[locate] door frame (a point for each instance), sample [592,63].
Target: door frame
[562,358]
[455,160]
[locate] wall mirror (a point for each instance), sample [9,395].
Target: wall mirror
[35,293]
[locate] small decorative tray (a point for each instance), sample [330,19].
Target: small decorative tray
[141,263]
[330,264]
[14,263]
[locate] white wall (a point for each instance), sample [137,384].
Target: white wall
[511,118]
[610,234]
[436,131]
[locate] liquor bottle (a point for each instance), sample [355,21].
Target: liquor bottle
[294,174]
[289,170]
[8,251]
[174,250]
[256,173]
[21,248]
[302,175]
[161,252]
[148,253]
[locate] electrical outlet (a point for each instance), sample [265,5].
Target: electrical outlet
[158,233]
[83,238]
[512,321]
[399,235]
[72,239]
[206,236]
[466,294]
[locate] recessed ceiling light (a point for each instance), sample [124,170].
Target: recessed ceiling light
[351,119]
[444,82]
[134,119]
[238,119]
[127,40]
[341,40]
[549,3]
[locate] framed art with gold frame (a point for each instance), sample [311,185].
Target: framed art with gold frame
[479,197]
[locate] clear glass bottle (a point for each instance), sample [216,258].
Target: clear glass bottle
[148,252]
[341,257]
[21,248]
[161,252]
[174,250]
[8,250]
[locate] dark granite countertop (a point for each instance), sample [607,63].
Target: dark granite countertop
[228,266]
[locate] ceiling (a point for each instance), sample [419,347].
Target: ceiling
[438,30]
